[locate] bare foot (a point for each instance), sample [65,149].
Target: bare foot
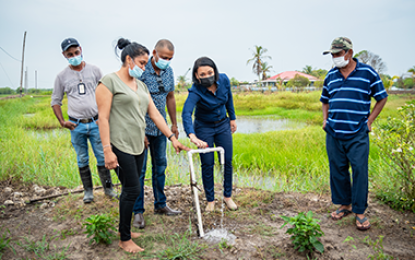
[337,215]
[130,247]
[133,234]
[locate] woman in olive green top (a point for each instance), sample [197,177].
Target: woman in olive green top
[123,102]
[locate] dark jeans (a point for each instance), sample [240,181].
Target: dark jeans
[342,154]
[159,164]
[128,174]
[219,135]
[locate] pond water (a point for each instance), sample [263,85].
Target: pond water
[246,125]
[256,124]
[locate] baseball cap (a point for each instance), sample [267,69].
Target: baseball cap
[339,44]
[68,42]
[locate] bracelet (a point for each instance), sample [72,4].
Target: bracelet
[170,137]
[108,145]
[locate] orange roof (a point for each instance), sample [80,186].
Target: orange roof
[287,75]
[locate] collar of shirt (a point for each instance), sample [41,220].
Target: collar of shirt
[151,70]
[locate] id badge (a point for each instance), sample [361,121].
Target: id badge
[81,89]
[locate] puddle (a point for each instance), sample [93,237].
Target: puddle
[249,125]
[55,133]
[254,124]
[217,236]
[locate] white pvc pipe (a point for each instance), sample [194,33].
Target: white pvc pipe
[193,182]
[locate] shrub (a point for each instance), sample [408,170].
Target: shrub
[99,226]
[305,232]
[396,141]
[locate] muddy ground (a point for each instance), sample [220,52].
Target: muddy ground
[53,229]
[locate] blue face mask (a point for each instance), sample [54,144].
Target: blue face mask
[162,64]
[75,61]
[136,72]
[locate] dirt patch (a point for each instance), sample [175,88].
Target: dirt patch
[53,229]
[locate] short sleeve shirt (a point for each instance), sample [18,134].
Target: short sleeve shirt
[80,105]
[349,99]
[127,114]
[159,87]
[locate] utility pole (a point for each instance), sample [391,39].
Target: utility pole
[35,81]
[26,82]
[21,74]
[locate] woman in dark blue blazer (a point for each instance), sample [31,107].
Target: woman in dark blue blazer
[214,123]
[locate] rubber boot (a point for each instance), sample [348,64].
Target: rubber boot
[86,178]
[105,176]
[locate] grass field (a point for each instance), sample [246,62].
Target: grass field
[35,148]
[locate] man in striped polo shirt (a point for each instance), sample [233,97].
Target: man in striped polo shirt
[346,96]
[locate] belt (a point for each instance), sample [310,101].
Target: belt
[84,120]
[217,122]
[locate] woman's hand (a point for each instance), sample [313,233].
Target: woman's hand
[146,142]
[199,143]
[178,146]
[233,126]
[111,161]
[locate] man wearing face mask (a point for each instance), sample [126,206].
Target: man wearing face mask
[346,97]
[159,78]
[78,80]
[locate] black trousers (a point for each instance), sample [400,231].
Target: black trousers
[129,175]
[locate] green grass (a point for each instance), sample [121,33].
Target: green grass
[289,160]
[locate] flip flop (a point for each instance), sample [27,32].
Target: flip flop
[344,211]
[361,221]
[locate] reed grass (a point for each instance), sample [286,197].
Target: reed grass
[35,149]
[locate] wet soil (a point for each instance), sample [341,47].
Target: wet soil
[256,225]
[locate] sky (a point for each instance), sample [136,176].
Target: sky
[295,33]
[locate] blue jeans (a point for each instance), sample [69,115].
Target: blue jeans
[343,154]
[215,135]
[159,164]
[79,139]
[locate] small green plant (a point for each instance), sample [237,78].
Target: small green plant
[58,255]
[377,246]
[305,232]
[37,247]
[4,242]
[224,245]
[349,238]
[99,227]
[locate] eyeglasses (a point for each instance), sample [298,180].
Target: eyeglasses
[161,85]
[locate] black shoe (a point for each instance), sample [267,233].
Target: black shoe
[139,221]
[167,211]
[86,178]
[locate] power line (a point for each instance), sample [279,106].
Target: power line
[10,55]
[6,74]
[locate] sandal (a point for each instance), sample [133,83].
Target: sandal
[361,221]
[344,211]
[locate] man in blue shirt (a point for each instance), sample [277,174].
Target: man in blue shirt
[159,79]
[346,97]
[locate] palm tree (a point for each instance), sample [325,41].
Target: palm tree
[412,70]
[265,68]
[257,60]
[181,82]
[307,70]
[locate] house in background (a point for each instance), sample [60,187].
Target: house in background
[286,76]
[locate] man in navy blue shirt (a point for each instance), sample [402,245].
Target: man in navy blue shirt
[346,97]
[159,79]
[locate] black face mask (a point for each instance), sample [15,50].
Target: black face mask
[207,82]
